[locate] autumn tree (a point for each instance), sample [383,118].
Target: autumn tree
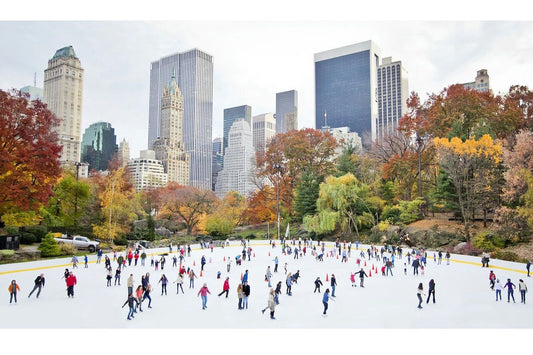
[289,154]
[474,167]
[29,153]
[120,206]
[261,206]
[517,158]
[186,204]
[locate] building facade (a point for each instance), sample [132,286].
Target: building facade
[63,92]
[263,130]
[123,153]
[346,88]
[194,76]
[482,82]
[231,115]
[169,147]
[34,92]
[98,145]
[393,91]
[239,162]
[218,158]
[286,111]
[147,172]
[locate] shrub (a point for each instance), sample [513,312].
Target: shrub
[27,238]
[49,246]
[506,255]
[121,241]
[391,214]
[486,240]
[7,252]
[67,249]
[38,231]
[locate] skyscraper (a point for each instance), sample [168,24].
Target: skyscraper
[63,89]
[35,92]
[98,146]
[231,115]
[286,111]
[393,90]
[123,153]
[217,159]
[147,172]
[169,146]
[239,162]
[263,130]
[194,76]
[346,88]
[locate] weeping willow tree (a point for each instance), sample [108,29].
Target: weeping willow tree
[343,202]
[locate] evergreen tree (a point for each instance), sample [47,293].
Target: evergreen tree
[306,194]
[49,246]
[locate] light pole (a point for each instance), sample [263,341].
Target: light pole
[77,164]
[419,142]
[278,168]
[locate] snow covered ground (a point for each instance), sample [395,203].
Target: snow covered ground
[463,297]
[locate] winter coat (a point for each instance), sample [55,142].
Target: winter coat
[522,286]
[318,283]
[179,280]
[130,302]
[39,281]
[325,298]
[246,290]
[71,280]
[204,291]
[271,303]
[226,285]
[333,281]
[10,288]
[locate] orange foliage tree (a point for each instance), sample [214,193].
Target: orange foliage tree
[29,153]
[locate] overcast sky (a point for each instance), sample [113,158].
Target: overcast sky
[253,60]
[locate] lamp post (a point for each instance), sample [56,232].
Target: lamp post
[278,168]
[77,164]
[419,142]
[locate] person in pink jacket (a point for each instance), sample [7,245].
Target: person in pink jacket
[225,288]
[204,291]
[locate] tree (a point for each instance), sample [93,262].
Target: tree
[29,153]
[120,206]
[474,167]
[289,154]
[49,246]
[188,204]
[517,158]
[346,201]
[261,206]
[306,194]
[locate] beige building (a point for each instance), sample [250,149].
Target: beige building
[482,82]
[264,129]
[123,152]
[63,92]
[147,172]
[169,146]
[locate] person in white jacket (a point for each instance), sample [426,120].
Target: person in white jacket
[498,287]
[523,289]
[179,284]
[419,294]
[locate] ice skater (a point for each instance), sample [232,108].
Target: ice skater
[179,284]
[510,290]
[203,292]
[318,283]
[333,284]
[38,284]
[271,304]
[362,275]
[225,288]
[325,300]
[131,302]
[146,295]
[419,294]
[431,290]
[498,287]
[288,281]
[523,289]
[163,280]
[71,282]
[240,295]
[13,289]
[492,279]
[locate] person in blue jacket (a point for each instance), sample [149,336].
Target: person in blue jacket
[510,292]
[245,277]
[325,300]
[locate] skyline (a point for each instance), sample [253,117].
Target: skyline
[255,60]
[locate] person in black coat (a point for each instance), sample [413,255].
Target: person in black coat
[318,283]
[431,290]
[246,292]
[362,275]
[131,301]
[39,283]
[415,264]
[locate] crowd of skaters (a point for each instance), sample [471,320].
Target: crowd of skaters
[387,255]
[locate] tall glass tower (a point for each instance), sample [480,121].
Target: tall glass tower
[231,115]
[286,111]
[194,76]
[346,88]
[99,144]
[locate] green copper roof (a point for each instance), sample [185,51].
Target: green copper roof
[172,81]
[65,52]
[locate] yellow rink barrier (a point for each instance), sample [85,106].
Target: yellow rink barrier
[229,246]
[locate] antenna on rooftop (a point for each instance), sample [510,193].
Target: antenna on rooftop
[35,79]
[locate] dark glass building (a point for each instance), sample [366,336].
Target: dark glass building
[98,145]
[346,88]
[231,115]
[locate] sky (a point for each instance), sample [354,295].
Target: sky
[257,53]
[357,318]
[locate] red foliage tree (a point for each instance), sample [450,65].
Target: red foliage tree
[29,152]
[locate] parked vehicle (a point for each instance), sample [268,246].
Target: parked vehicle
[79,242]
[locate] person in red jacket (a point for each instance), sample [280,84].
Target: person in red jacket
[225,288]
[71,281]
